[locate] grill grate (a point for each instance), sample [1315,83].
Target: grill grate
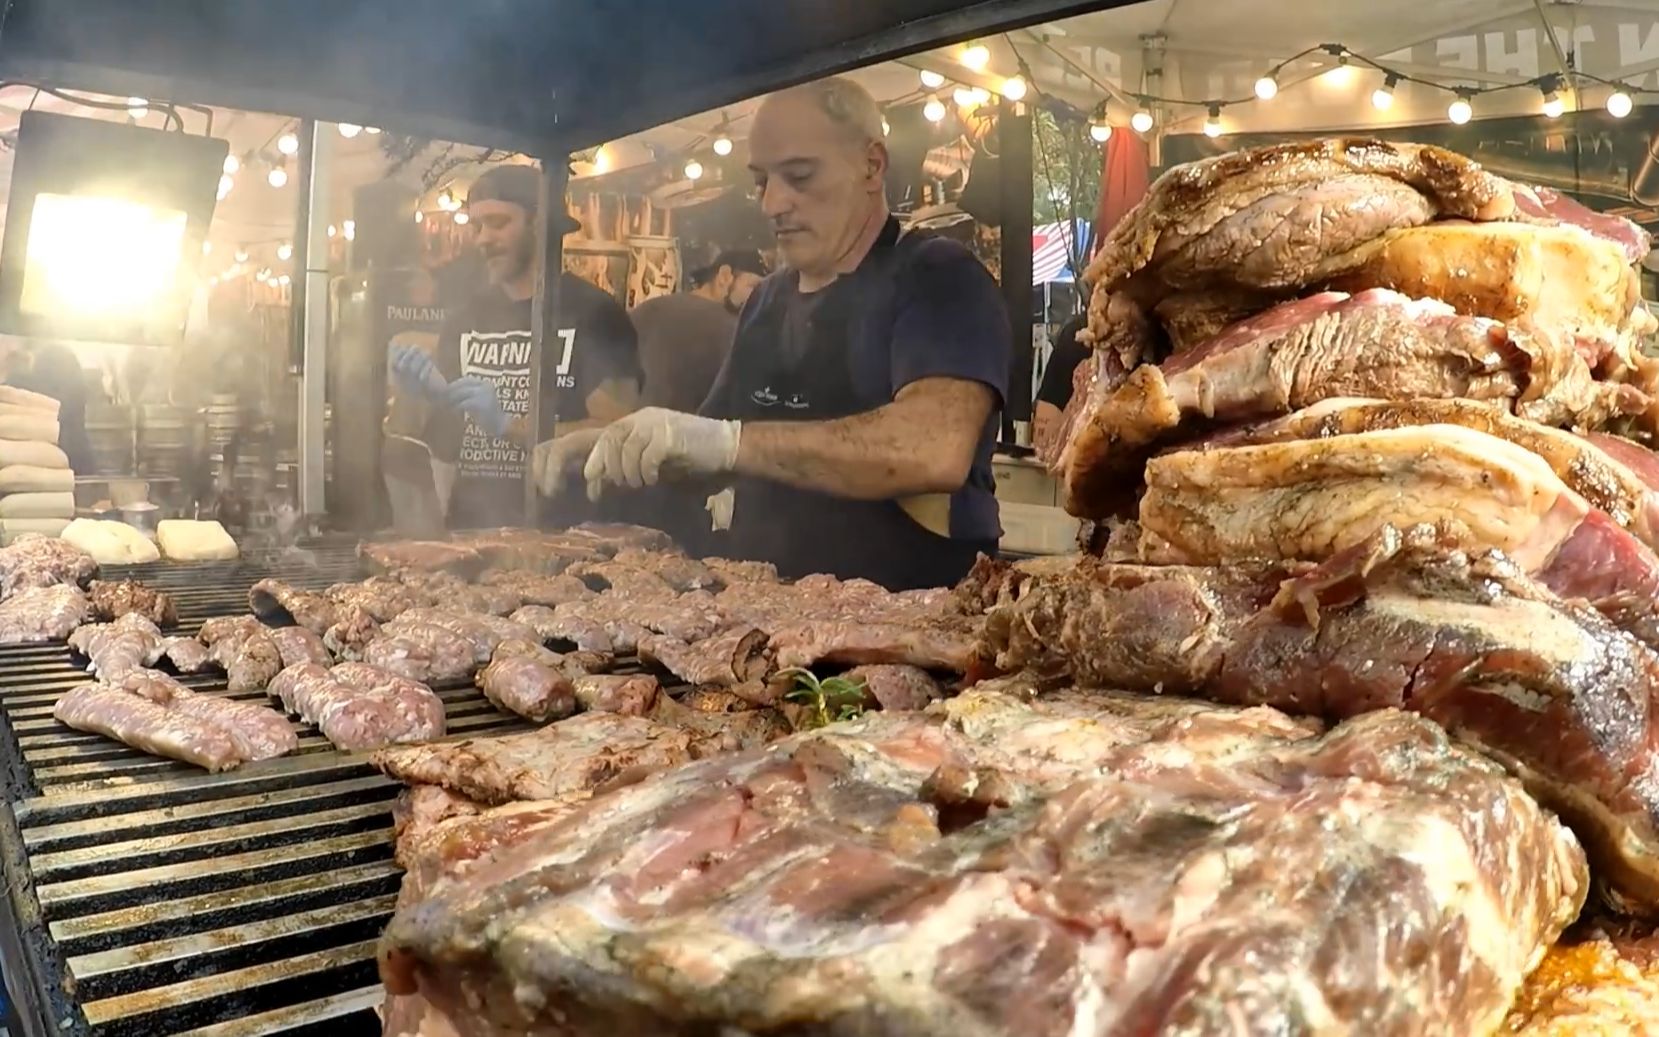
[150,898]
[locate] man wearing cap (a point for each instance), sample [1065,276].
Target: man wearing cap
[478,381]
[855,418]
[684,338]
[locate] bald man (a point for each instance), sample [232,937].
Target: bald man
[854,420]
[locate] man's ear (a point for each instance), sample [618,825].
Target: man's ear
[878,160]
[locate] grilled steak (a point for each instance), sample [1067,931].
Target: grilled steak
[42,613]
[679,572]
[575,755]
[619,580]
[110,600]
[1377,344]
[1309,499]
[277,603]
[537,588]
[841,883]
[155,714]
[115,649]
[298,645]
[426,555]
[737,656]
[897,687]
[1546,685]
[1613,474]
[33,560]
[1275,216]
[357,706]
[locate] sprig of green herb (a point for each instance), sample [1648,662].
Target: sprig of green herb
[831,700]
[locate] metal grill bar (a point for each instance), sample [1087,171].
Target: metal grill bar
[179,902]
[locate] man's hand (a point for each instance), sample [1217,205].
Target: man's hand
[413,371]
[556,459]
[477,399]
[634,450]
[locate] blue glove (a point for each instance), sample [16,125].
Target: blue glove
[476,398]
[413,371]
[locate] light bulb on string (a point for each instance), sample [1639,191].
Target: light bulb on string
[446,200]
[1141,121]
[232,165]
[934,110]
[1267,87]
[1100,132]
[964,97]
[373,131]
[349,130]
[1460,111]
[932,80]
[207,248]
[333,230]
[225,186]
[277,177]
[722,145]
[349,229]
[977,57]
[1553,105]
[137,107]
[288,144]
[602,160]
[420,217]
[462,219]
[693,170]
[1014,88]
[241,255]
[1382,98]
[285,280]
[285,252]
[1212,122]
[886,127]
[1619,104]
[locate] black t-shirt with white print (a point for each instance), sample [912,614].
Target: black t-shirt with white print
[490,338]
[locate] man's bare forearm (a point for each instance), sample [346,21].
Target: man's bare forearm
[923,442]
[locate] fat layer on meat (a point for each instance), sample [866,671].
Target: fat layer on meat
[870,879]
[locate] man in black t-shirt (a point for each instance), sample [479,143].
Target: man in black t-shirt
[1055,391]
[479,380]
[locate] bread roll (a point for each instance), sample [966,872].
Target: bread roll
[186,540]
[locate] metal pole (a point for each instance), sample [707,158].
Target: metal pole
[1014,137]
[544,308]
[308,314]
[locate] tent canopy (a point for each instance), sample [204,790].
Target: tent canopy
[527,75]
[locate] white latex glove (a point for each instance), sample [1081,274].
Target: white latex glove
[555,460]
[633,450]
[720,508]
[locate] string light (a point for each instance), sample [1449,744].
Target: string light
[976,57]
[137,107]
[277,177]
[1100,132]
[241,255]
[693,170]
[1267,87]
[1382,98]
[373,131]
[288,144]
[207,248]
[447,200]
[1141,121]
[349,228]
[333,230]
[1212,122]
[932,80]
[349,130]
[1460,111]
[1014,88]
[934,110]
[1619,104]
[420,217]
[722,145]
[226,183]
[285,252]
[1553,105]
[285,280]
[461,220]
[602,159]
[232,165]
[886,127]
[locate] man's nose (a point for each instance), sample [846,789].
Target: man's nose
[776,199]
